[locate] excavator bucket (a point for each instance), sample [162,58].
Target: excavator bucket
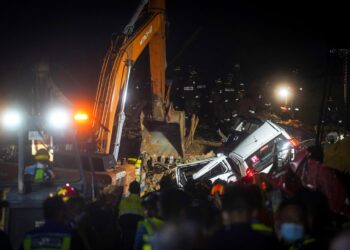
[164,138]
[163,131]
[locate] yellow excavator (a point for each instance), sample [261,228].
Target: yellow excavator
[163,132]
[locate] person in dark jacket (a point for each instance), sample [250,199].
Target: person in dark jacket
[292,228]
[237,231]
[130,214]
[54,234]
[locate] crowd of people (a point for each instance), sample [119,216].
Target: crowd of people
[202,216]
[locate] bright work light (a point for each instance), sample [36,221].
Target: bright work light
[12,119]
[58,118]
[284,93]
[81,117]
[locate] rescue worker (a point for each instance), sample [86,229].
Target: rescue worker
[259,217]
[137,162]
[291,226]
[237,217]
[217,189]
[79,220]
[54,234]
[216,193]
[130,213]
[101,225]
[147,228]
[40,171]
[67,192]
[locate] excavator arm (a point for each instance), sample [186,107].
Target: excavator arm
[116,71]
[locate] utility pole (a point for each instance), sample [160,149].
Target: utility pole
[325,92]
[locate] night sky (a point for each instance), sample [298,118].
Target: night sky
[265,38]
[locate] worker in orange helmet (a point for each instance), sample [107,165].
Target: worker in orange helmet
[217,191]
[66,192]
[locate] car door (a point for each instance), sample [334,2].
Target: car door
[263,157]
[216,172]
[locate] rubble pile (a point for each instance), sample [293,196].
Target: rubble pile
[153,172]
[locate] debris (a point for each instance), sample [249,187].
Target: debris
[337,155]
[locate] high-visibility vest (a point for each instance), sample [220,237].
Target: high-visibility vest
[303,243]
[39,174]
[131,205]
[152,225]
[137,164]
[261,228]
[47,241]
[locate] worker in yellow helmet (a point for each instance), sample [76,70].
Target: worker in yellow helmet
[66,192]
[40,171]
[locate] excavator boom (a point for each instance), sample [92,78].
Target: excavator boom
[115,75]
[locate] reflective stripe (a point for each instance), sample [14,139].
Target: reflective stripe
[132,160]
[308,241]
[305,242]
[151,225]
[261,227]
[27,243]
[66,243]
[42,157]
[39,175]
[147,247]
[138,163]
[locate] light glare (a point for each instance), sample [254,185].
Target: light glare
[12,119]
[58,119]
[283,92]
[81,117]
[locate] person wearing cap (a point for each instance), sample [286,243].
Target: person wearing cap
[5,243]
[147,228]
[67,192]
[54,234]
[40,171]
[130,213]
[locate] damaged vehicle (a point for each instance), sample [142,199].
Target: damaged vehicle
[267,145]
[220,167]
[241,129]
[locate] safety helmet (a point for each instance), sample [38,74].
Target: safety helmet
[218,189]
[66,192]
[42,155]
